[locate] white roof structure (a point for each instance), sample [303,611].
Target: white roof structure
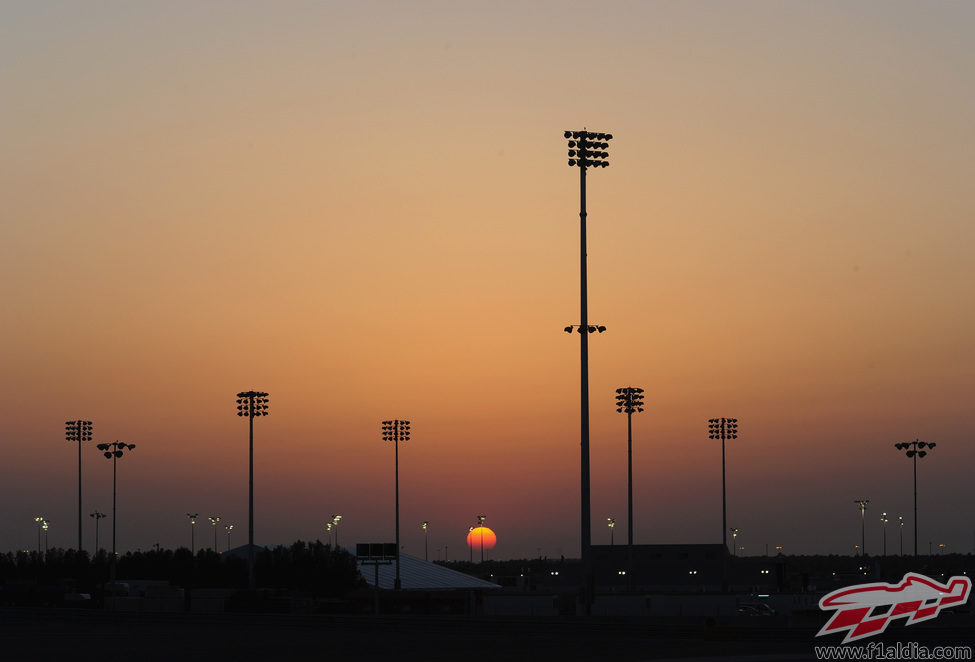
[417,574]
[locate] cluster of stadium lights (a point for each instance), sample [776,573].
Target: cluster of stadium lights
[723,428]
[586,148]
[396,430]
[77,430]
[115,449]
[591,328]
[252,403]
[629,399]
[917,445]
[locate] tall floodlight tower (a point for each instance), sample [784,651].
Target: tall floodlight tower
[587,149]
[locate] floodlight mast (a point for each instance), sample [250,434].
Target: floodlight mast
[862,503]
[78,431]
[114,451]
[250,404]
[629,400]
[914,450]
[586,150]
[396,431]
[723,428]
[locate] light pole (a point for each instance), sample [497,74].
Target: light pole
[629,400]
[97,516]
[328,532]
[78,432]
[251,404]
[863,527]
[611,523]
[426,548]
[335,525]
[114,451]
[914,450]
[586,150]
[723,428]
[900,523]
[883,520]
[396,431]
[41,525]
[214,520]
[480,525]
[471,546]
[192,532]
[734,539]
[228,528]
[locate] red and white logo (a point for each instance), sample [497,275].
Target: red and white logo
[866,609]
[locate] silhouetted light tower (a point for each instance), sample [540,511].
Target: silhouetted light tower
[900,525]
[914,450]
[228,528]
[863,527]
[78,431]
[214,520]
[586,150]
[396,431]
[97,516]
[192,532]
[480,525]
[629,400]
[611,523]
[426,548]
[328,531]
[114,451]
[41,525]
[883,520]
[335,526]
[734,539]
[251,404]
[470,538]
[723,429]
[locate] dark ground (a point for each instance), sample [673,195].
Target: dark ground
[65,634]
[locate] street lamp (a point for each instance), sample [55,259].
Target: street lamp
[396,431]
[251,404]
[328,531]
[611,523]
[629,400]
[734,539]
[863,528]
[335,525]
[723,428]
[586,150]
[425,546]
[883,520]
[214,520]
[114,451]
[914,450]
[228,528]
[78,431]
[900,522]
[471,546]
[192,532]
[97,516]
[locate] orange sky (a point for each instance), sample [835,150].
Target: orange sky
[366,212]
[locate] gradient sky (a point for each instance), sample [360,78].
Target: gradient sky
[364,208]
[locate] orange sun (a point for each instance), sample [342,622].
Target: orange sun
[481,534]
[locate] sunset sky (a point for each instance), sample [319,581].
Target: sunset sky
[365,209]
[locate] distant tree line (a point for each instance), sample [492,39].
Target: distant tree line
[309,569]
